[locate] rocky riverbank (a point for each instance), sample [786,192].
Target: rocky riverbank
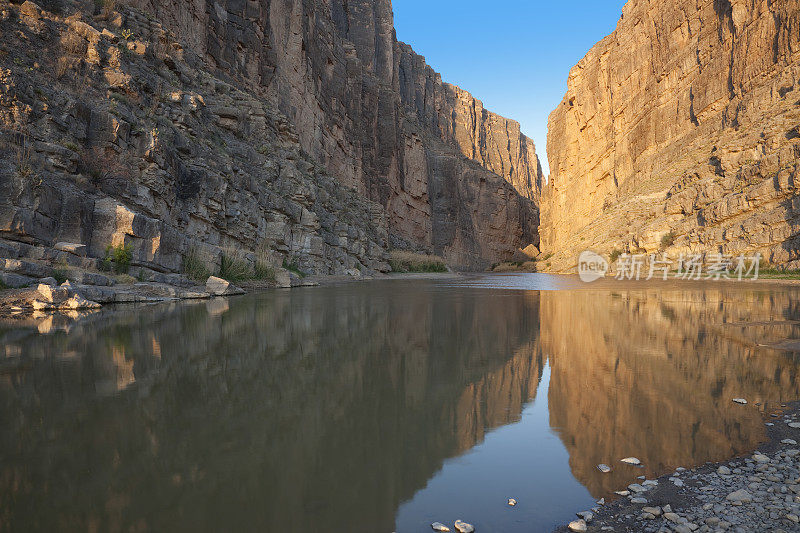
[754,493]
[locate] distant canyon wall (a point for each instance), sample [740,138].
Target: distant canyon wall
[454,178]
[682,121]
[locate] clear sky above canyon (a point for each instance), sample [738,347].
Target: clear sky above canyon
[514,55]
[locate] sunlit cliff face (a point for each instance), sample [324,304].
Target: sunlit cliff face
[252,412]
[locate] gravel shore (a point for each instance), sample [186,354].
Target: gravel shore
[759,492]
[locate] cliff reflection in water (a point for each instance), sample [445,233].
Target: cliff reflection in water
[652,374]
[278,412]
[286,411]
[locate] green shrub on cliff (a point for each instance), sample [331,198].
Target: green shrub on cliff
[402,262]
[60,275]
[118,258]
[668,239]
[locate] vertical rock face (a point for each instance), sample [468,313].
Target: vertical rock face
[684,120]
[116,137]
[377,117]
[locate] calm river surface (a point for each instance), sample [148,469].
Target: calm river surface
[382,406]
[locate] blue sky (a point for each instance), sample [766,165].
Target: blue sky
[514,55]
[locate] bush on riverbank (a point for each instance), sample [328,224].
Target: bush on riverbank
[233,267]
[403,262]
[777,273]
[518,266]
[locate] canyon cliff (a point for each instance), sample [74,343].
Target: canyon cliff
[679,133]
[377,117]
[300,131]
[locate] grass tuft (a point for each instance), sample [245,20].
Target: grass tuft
[194,267]
[404,261]
[777,273]
[233,267]
[291,266]
[263,267]
[264,271]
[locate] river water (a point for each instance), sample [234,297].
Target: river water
[382,406]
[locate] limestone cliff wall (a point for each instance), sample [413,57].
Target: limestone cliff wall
[685,120]
[376,116]
[111,134]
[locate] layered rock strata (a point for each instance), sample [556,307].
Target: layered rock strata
[112,136]
[377,117]
[682,123]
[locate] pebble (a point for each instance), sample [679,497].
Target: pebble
[438,526]
[794,425]
[512,502]
[724,471]
[631,461]
[622,492]
[463,527]
[586,515]
[639,501]
[790,442]
[604,468]
[577,525]
[740,401]
[740,496]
